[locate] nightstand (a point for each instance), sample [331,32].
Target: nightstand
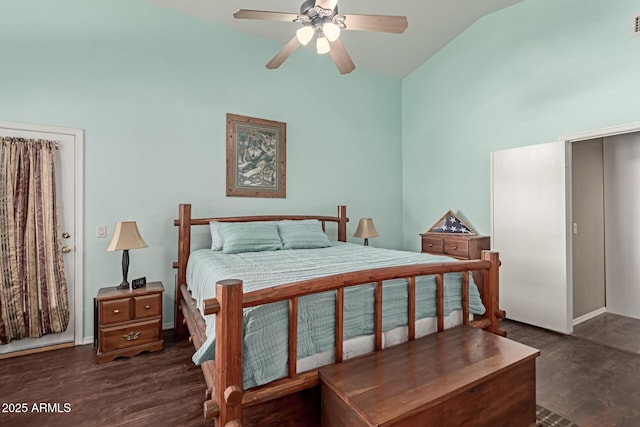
[128,322]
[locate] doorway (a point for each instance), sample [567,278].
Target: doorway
[69,179]
[605,187]
[588,229]
[532,228]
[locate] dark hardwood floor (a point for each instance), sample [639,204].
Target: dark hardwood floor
[613,330]
[592,384]
[152,389]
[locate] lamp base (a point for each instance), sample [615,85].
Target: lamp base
[125,269]
[123,285]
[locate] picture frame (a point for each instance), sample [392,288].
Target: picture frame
[256,157]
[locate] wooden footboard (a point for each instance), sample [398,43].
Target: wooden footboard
[225,398]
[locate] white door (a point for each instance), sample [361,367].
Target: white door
[530,230]
[68,189]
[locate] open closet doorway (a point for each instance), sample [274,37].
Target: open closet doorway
[534,228]
[587,229]
[69,180]
[605,258]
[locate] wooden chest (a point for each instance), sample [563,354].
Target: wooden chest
[460,377]
[129,322]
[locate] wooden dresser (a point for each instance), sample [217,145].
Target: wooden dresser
[128,321]
[460,246]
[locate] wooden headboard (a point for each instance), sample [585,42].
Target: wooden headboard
[185,221]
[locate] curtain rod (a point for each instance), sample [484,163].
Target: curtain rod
[55,143]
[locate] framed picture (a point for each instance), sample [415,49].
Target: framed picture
[256,157]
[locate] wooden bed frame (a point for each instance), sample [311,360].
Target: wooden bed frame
[296,396]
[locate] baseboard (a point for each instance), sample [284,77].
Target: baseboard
[89,340]
[589,316]
[166,326]
[36,350]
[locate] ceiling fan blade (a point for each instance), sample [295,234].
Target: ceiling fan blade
[380,23]
[340,56]
[268,16]
[284,53]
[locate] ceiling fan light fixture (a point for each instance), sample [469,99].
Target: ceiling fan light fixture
[331,31]
[305,34]
[322,45]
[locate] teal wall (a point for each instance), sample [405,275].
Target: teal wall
[151,89]
[527,74]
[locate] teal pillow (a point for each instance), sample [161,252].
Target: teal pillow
[217,241]
[249,237]
[304,234]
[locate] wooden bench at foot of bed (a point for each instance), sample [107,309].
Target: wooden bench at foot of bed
[462,376]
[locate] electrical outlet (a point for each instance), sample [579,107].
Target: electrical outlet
[101,231]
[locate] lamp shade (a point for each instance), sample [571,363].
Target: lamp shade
[322,45]
[331,31]
[126,236]
[366,229]
[305,34]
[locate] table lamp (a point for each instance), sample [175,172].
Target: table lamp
[125,237]
[365,230]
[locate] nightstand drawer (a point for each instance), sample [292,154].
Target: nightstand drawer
[116,338]
[456,248]
[147,306]
[114,311]
[433,245]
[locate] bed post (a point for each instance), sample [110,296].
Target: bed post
[342,223]
[184,247]
[228,360]
[490,292]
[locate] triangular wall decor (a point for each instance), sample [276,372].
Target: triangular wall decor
[450,223]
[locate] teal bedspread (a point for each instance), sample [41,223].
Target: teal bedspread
[265,327]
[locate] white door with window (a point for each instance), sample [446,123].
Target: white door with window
[69,175]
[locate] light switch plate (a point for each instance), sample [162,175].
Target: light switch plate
[101,231]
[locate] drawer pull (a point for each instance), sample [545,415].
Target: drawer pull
[132,336]
[455,248]
[430,245]
[116,311]
[147,307]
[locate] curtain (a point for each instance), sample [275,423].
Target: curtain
[33,289]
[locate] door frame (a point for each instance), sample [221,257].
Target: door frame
[569,140]
[78,253]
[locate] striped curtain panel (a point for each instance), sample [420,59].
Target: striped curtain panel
[33,289]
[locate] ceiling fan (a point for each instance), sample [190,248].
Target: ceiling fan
[321,18]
